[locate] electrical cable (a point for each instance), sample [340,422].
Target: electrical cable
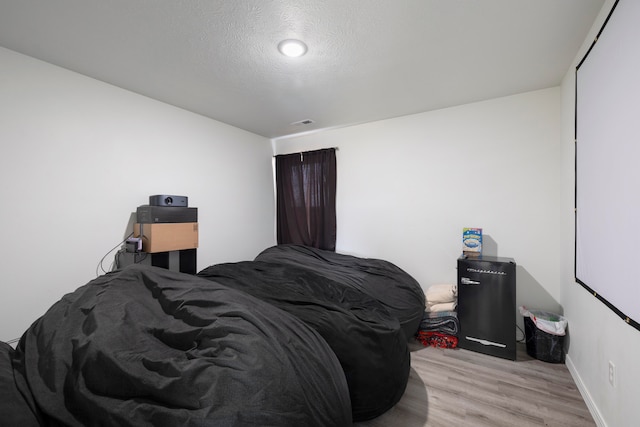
[138,257]
[13,341]
[99,266]
[137,260]
[523,339]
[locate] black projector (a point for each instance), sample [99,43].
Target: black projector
[147,214]
[168,200]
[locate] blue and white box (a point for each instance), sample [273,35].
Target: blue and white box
[472,240]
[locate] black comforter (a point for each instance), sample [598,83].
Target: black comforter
[147,346]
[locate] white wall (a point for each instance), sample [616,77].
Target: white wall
[78,156]
[596,334]
[408,186]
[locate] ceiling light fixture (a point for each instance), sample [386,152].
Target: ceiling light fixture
[292,48]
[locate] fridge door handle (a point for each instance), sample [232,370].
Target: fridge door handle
[467,281]
[486,342]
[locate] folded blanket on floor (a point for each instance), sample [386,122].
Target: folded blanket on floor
[441,293]
[436,339]
[445,306]
[444,321]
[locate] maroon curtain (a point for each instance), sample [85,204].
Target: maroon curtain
[306,198]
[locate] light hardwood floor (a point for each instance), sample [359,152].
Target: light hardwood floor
[461,388]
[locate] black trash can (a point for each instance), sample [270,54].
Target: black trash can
[542,345]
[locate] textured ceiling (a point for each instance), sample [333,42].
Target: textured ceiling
[367,60]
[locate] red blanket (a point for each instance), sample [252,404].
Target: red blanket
[437,339]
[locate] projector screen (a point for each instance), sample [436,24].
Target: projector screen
[608,164]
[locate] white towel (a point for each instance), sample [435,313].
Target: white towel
[441,293]
[445,306]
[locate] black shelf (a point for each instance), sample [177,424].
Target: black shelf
[184,261]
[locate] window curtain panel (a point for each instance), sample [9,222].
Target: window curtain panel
[306,198]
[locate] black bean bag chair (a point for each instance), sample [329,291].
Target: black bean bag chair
[146,346]
[394,288]
[17,407]
[367,340]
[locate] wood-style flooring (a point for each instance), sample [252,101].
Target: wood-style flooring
[461,388]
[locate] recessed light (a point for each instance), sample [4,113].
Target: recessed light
[292,48]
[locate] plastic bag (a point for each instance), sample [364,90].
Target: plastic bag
[549,322]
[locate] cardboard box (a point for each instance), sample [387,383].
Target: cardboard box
[165,237]
[472,241]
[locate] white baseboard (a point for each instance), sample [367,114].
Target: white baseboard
[593,409]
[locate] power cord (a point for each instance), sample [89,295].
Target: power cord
[138,257]
[100,266]
[523,339]
[13,341]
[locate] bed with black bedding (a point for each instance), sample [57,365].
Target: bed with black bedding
[255,343]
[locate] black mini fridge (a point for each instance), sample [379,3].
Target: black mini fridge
[487,305]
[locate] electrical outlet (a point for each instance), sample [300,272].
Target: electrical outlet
[612,374]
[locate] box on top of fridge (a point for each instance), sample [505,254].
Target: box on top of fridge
[472,240]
